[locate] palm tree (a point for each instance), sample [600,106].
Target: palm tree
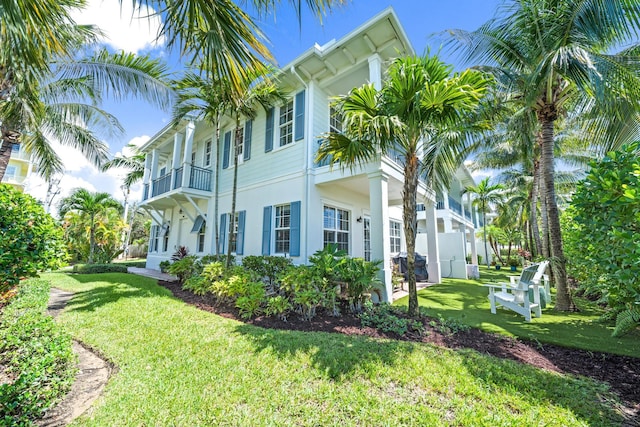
[84,202]
[205,98]
[416,114]
[65,106]
[221,37]
[485,195]
[258,90]
[563,50]
[133,163]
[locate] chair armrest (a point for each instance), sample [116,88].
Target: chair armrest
[504,286]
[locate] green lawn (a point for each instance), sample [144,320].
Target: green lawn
[466,300]
[179,366]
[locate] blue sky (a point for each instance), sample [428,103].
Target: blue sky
[421,19]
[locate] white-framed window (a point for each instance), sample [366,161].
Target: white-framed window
[163,171]
[233,233]
[367,238]
[285,124]
[193,158]
[283,229]
[335,120]
[164,234]
[207,152]
[154,238]
[201,234]
[336,227]
[395,228]
[240,146]
[15,148]
[11,172]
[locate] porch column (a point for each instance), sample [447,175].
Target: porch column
[175,162]
[155,158]
[474,249]
[379,207]
[446,215]
[188,148]
[433,262]
[147,169]
[375,71]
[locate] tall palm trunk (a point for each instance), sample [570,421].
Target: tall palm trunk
[535,231]
[563,298]
[409,216]
[92,239]
[234,192]
[5,155]
[216,184]
[484,232]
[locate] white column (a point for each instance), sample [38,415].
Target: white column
[155,158]
[433,262]
[379,207]
[446,214]
[147,169]
[375,71]
[188,148]
[474,249]
[175,161]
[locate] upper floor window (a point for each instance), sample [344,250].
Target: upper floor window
[283,229]
[336,228]
[15,148]
[286,124]
[11,171]
[193,158]
[207,153]
[335,120]
[239,143]
[394,236]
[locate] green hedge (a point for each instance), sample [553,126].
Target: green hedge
[138,264]
[37,355]
[99,268]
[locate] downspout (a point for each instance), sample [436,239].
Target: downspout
[307,178]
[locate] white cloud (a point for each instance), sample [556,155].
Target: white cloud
[38,188]
[124,27]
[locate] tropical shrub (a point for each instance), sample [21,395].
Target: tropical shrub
[30,239]
[197,284]
[606,234]
[37,355]
[359,277]
[268,268]
[99,268]
[307,290]
[180,253]
[388,319]
[278,306]
[164,266]
[251,299]
[185,268]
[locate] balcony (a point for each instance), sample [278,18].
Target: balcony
[199,179]
[456,207]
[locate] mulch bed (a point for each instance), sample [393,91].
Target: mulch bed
[621,372]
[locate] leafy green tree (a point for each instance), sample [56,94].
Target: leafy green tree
[416,112]
[485,195]
[91,206]
[133,163]
[565,53]
[607,211]
[31,240]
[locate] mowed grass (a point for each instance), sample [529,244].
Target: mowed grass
[179,366]
[466,301]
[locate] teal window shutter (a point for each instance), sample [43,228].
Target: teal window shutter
[299,116]
[197,224]
[226,149]
[240,237]
[268,139]
[223,234]
[294,230]
[248,127]
[266,231]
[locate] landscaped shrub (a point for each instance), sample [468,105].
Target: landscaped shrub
[387,319]
[99,268]
[197,284]
[268,268]
[306,290]
[185,268]
[208,259]
[37,355]
[251,299]
[30,240]
[137,264]
[603,239]
[278,306]
[359,277]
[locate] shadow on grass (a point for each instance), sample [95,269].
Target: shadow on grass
[116,287]
[334,354]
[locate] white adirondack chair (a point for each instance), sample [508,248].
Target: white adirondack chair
[515,295]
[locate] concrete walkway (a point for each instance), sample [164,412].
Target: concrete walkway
[404,290]
[154,274]
[93,374]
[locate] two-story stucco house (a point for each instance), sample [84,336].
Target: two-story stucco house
[19,168]
[287,204]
